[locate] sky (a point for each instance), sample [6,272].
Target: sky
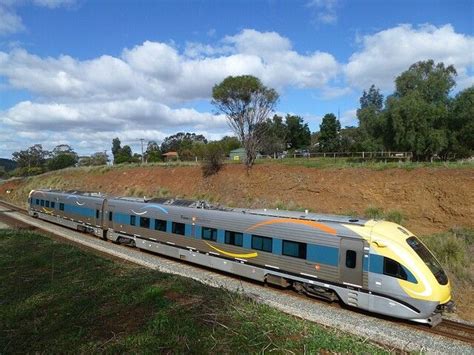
[81,72]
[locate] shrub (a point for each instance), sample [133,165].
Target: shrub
[394,216]
[374,212]
[213,160]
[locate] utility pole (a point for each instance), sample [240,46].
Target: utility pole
[141,140]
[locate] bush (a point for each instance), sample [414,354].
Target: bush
[394,216]
[213,160]
[374,213]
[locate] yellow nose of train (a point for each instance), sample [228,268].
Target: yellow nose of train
[426,280]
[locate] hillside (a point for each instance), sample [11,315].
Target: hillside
[429,199]
[7,164]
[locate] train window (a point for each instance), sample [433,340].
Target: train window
[111,215]
[144,222]
[351,259]
[234,238]
[37,201]
[133,220]
[209,234]
[42,203]
[97,214]
[160,225]
[294,249]
[53,204]
[262,243]
[47,203]
[394,269]
[428,259]
[61,206]
[178,228]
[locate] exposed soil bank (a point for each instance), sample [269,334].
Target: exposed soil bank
[430,199]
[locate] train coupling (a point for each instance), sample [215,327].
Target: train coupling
[446,307]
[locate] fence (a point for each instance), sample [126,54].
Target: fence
[388,156]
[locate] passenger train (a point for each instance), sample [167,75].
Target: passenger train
[373,265]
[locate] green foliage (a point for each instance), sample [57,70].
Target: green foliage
[274,136]
[247,104]
[329,139]
[61,161]
[181,142]
[461,125]
[153,152]
[394,216]
[372,99]
[213,159]
[33,157]
[374,212]
[228,144]
[298,134]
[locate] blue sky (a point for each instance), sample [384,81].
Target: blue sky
[82,72]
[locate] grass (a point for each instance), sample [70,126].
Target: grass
[324,163]
[57,298]
[378,213]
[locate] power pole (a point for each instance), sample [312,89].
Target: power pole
[141,140]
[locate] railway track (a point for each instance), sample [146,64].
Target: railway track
[447,328]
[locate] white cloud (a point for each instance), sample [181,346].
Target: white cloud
[53,4]
[10,22]
[325,11]
[159,71]
[385,54]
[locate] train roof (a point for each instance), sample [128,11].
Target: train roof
[205,205]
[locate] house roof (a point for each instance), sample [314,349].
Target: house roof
[170,154]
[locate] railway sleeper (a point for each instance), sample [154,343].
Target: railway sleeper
[315,291]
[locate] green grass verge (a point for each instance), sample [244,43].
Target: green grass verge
[57,298]
[325,163]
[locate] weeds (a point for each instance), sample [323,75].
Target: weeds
[394,216]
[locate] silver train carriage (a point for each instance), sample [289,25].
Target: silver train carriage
[376,266]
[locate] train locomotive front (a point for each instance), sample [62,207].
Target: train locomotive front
[402,267]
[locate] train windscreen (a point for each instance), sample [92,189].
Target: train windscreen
[428,259]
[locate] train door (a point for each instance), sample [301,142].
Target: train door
[105,221]
[351,261]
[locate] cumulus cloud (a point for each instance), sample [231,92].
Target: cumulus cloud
[159,71]
[386,54]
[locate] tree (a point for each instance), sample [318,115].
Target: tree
[432,82]
[372,98]
[116,147]
[329,130]
[62,156]
[417,114]
[371,120]
[274,136]
[228,144]
[99,158]
[33,157]
[461,125]
[181,141]
[153,152]
[124,155]
[247,103]
[298,134]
